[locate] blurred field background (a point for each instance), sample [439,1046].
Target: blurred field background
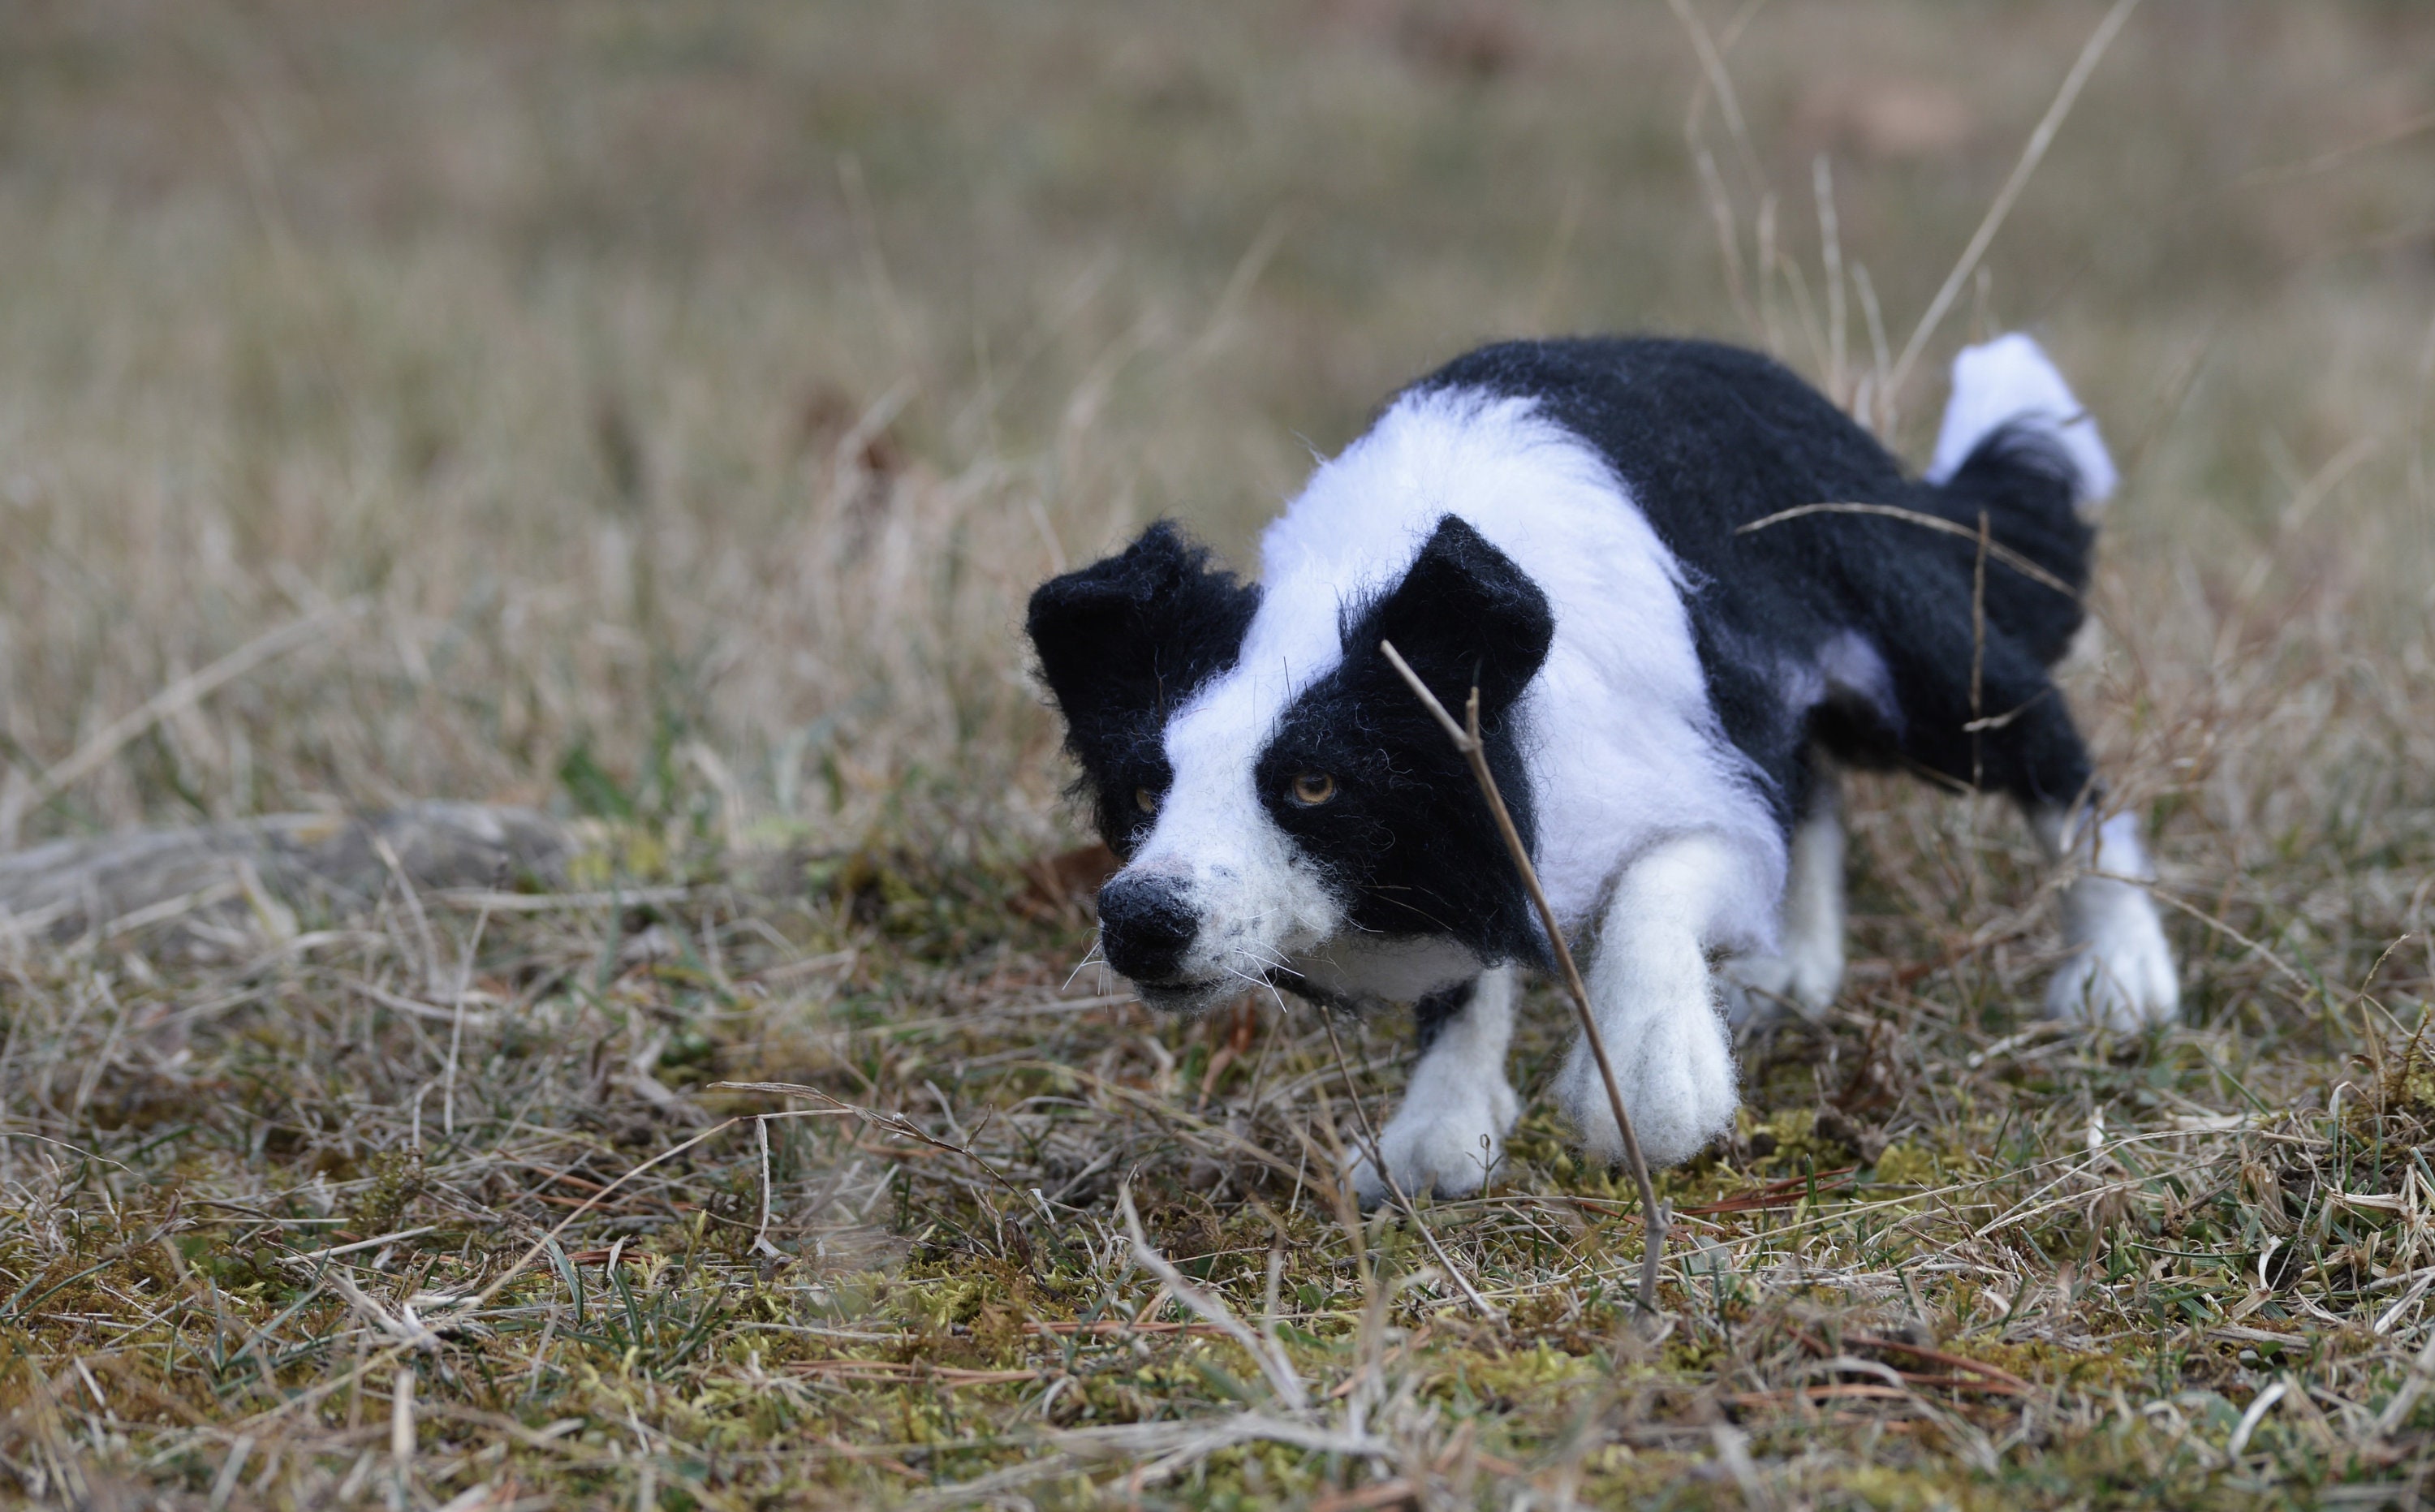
[655,413]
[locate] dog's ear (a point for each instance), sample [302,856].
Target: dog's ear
[1123,641]
[1465,612]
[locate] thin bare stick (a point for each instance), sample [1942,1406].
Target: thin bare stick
[761,1245]
[190,689]
[1266,1353]
[1768,273]
[2098,41]
[1715,81]
[401,1430]
[1830,253]
[1994,551]
[456,1023]
[1466,740]
[1712,63]
[1878,414]
[1720,210]
[1813,329]
[894,1122]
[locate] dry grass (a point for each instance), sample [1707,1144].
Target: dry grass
[677,401]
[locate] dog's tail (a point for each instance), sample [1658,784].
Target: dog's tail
[2017,448]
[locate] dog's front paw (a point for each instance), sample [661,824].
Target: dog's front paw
[2122,976]
[1676,1075]
[1442,1140]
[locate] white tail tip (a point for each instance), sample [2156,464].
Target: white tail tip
[2009,382]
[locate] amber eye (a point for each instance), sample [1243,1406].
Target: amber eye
[1145,800]
[1311,789]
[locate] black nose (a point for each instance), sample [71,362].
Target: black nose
[1145,927]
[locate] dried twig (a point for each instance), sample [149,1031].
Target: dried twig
[894,1122]
[1466,740]
[1995,551]
[401,1430]
[191,688]
[1266,1353]
[2031,154]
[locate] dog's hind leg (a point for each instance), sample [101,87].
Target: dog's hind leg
[1809,970]
[1449,1135]
[2016,737]
[1658,1005]
[2120,974]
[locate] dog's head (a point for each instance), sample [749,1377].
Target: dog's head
[1285,808]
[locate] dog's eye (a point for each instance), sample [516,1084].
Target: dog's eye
[1145,800]
[1311,789]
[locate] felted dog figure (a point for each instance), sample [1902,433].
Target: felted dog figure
[1665,697]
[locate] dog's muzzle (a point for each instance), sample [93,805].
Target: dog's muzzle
[1146,927]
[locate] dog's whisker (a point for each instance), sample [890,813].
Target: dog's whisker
[1090,957]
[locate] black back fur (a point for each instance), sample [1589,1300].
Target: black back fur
[1710,438]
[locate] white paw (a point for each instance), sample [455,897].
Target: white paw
[1759,987]
[2122,976]
[1677,1080]
[1445,1142]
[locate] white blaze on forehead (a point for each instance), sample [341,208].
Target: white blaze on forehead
[1259,902]
[1621,744]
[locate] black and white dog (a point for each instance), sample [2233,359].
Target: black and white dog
[1665,698]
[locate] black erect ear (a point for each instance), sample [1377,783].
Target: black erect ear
[1463,613]
[1123,641]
